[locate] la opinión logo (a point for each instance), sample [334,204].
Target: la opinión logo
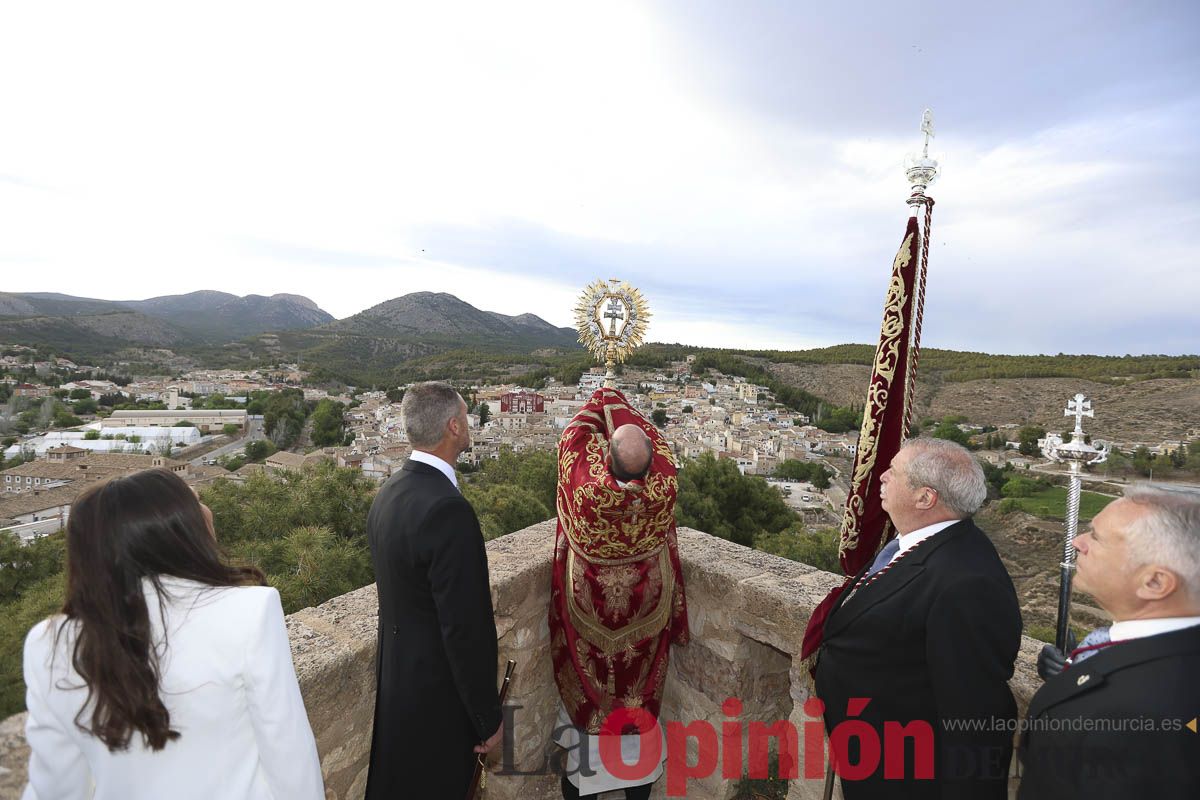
[743,749]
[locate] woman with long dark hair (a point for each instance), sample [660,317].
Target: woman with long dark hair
[168,672]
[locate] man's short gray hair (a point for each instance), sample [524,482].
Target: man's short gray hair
[1168,532]
[951,471]
[425,410]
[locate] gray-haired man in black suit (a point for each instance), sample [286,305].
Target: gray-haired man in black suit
[1114,722]
[928,634]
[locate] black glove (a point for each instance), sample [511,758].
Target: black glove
[1051,660]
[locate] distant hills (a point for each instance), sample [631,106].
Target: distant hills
[424,314]
[198,317]
[220,317]
[379,345]
[429,335]
[223,329]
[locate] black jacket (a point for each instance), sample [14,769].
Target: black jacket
[934,638]
[1114,726]
[436,695]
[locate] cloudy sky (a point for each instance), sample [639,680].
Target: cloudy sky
[740,162]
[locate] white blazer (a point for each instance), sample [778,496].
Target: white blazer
[228,683]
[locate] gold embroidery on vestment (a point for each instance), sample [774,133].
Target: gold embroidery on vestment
[617,583]
[608,640]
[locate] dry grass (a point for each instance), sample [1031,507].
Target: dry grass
[1145,411]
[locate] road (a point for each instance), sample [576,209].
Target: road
[1054,469]
[253,433]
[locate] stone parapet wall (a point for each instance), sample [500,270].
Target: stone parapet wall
[747,611]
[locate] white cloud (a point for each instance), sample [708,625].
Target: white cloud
[158,148]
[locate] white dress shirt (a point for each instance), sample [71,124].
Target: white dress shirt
[910,540]
[1139,628]
[434,461]
[227,681]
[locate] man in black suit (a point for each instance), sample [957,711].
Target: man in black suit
[927,635]
[436,703]
[1114,722]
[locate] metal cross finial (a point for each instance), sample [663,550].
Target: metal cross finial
[616,311]
[927,129]
[1079,407]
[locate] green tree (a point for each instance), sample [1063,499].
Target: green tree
[1021,487]
[267,507]
[485,414]
[229,429]
[1028,438]
[80,394]
[995,476]
[795,470]
[310,564]
[217,401]
[1192,462]
[233,463]
[27,563]
[659,417]
[839,419]
[818,548]
[327,425]
[35,602]
[284,414]
[65,419]
[258,450]
[821,480]
[950,431]
[716,498]
[534,470]
[1143,461]
[505,508]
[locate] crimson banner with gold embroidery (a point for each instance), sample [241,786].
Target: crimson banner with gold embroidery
[865,525]
[617,599]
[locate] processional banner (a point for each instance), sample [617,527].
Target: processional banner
[865,525]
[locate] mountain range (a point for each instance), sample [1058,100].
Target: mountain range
[282,326]
[205,316]
[441,314]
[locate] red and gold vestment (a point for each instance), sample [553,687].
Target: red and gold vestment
[617,600]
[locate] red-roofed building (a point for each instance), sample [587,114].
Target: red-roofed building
[522,402]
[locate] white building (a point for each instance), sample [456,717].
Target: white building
[135,439]
[209,420]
